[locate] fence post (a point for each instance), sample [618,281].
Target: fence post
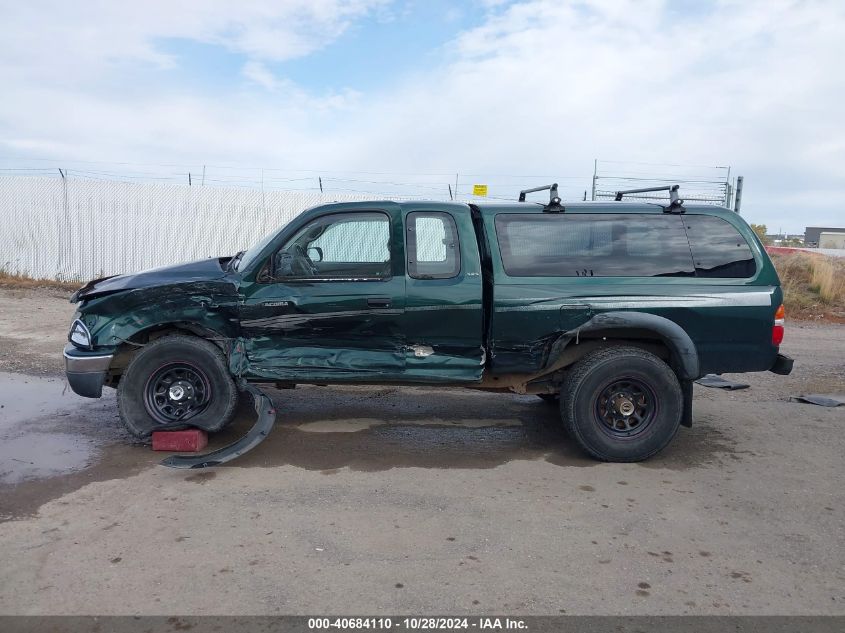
[65,232]
[738,194]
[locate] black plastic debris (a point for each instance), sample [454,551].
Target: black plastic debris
[266,413]
[717,382]
[822,401]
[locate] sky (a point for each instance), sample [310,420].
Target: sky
[365,93]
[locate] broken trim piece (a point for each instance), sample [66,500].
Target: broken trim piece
[822,401]
[717,382]
[257,434]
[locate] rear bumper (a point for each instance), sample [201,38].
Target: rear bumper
[782,365]
[86,371]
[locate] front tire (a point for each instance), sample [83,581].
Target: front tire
[175,382]
[621,404]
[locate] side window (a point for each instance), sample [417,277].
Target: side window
[593,245]
[718,248]
[338,246]
[433,248]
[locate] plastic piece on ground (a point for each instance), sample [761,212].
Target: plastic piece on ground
[716,381]
[257,434]
[822,401]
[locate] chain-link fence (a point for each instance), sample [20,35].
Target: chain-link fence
[699,185]
[85,225]
[77,229]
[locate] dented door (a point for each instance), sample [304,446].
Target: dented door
[443,320]
[331,307]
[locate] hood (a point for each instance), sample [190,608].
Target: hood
[202,270]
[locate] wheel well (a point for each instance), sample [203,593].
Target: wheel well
[128,348]
[644,339]
[557,366]
[565,352]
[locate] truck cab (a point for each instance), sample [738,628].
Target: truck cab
[367,293]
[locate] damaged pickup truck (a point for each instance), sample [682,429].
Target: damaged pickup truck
[610,309]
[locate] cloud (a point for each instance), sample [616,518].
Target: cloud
[544,87]
[55,39]
[538,87]
[259,73]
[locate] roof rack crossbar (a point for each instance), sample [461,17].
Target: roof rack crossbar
[552,191]
[554,205]
[675,202]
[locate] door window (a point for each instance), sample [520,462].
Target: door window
[341,246]
[433,248]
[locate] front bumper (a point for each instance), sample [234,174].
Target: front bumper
[86,371]
[782,365]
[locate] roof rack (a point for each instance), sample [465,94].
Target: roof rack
[676,205]
[554,205]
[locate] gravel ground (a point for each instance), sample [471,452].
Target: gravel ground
[414,500]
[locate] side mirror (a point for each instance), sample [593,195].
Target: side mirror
[315,253]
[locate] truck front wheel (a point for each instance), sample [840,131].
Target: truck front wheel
[175,382]
[621,404]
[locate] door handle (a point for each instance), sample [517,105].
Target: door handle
[378,302]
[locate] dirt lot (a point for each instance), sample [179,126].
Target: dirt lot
[368,500]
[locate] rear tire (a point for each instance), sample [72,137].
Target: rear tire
[176,381]
[621,404]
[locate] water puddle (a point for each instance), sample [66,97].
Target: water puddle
[40,455]
[39,428]
[26,397]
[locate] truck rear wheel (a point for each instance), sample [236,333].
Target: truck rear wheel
[621,404]
[176,382]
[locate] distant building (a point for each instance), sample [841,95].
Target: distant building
[785,239]
[830,239]
[812,234]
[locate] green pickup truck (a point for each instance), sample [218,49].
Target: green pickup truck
[610,309]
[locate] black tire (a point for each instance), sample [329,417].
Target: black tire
[621,404]
[549,398]
[201,363]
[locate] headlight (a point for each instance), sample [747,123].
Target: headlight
[79,335]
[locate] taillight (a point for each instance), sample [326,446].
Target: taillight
[777,328]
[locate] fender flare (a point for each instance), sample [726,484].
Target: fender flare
[266,413]
[673,335]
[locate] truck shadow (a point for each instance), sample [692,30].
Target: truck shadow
[374,429]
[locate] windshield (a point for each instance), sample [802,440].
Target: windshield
[250,255]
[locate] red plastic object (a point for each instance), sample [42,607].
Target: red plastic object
[190,440]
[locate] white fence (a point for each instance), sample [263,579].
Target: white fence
[78,229]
